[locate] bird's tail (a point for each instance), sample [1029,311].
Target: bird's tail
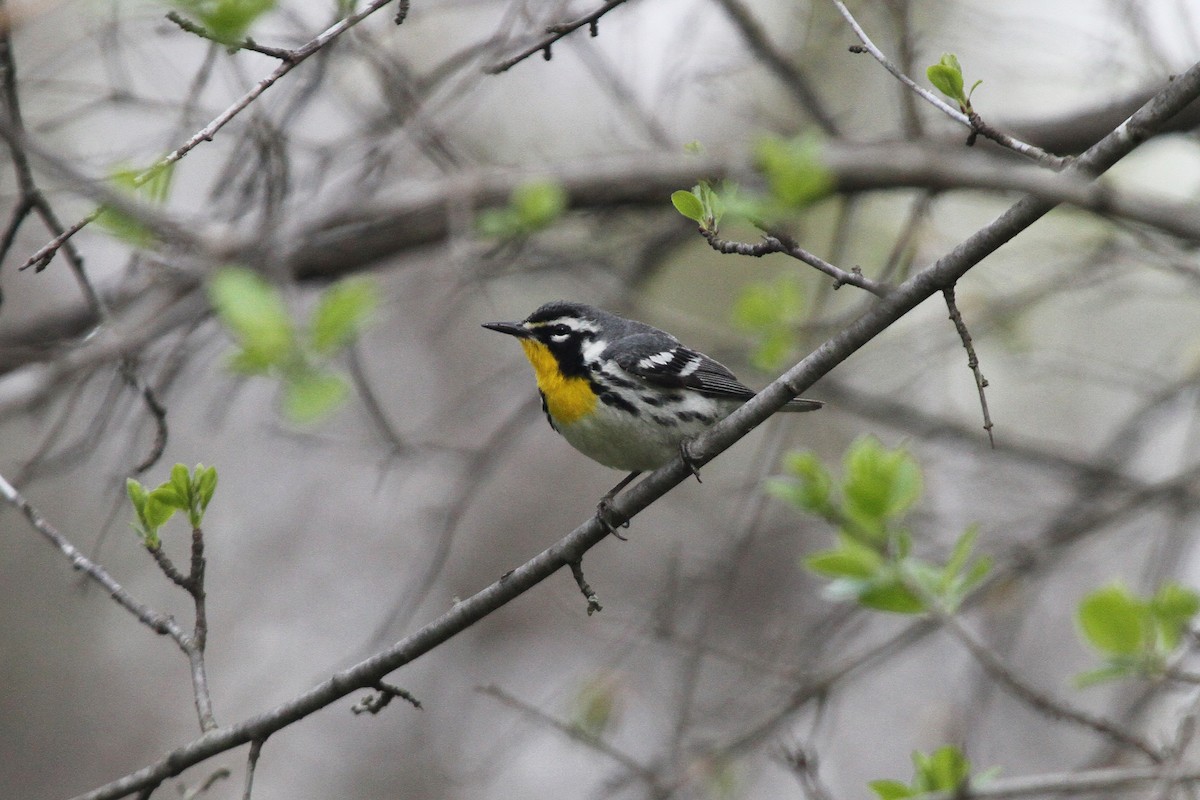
[801,404]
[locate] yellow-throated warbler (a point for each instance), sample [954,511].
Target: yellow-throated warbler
[624,393]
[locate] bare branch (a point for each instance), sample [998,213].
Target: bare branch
[206,134]
[628,762]
[976,125]
[791,77]
[972,360]
[186,24]
[593,602]
[778,242]
[1036,699]
[553,34]
[156,621]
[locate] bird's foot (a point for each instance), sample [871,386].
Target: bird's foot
[689,460]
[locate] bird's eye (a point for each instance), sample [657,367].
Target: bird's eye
[559,333]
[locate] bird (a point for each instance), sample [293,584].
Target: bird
[625,394]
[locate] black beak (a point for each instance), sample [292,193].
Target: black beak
[511,328]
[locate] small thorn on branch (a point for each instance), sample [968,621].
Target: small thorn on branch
[374,703]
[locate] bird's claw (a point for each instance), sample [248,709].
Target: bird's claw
[604,512]
[689,461]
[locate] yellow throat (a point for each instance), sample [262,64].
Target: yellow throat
[567,399]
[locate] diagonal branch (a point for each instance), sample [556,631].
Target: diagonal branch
[972,121]
[553,34]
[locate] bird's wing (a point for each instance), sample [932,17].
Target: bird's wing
[660,359]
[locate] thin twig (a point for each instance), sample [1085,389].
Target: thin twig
[251,765]
[972,360]
[199,640]
[206,134]
[775,242]
[158,412]
[593,602]
[158,622]
[32,200]
[574,733]
[553,34]
[1028,150]
[790,76]
[283,54]
[803,765]
[1104,782]
[374,703]
[1035,698]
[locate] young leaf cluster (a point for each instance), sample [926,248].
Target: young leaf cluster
[795,178]
[872,562]
[1136,635]
[152,186]
[702,205]
[226,21]
[256,315]
[531,207]
[770,312]
[946,770]
[183,491]
[947,77]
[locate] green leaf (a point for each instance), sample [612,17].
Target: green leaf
[539,203]
[181,482]
[1114,621]
[794,171]
[137,496]
[309,395]
[343,309]
[596,708]
[206,484]
[169,495]
[152,185]
[1111,672]
[808,486]
[160,507]
[226,20]
[846,562]
[890,789]
[1173,608]
[947,769]
[947,77]
[961,552]
[530,208]
[689,205]
[879,486]
[771,311]
[254,312]
[891,596]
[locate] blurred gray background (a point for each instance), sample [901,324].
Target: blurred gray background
[327,542]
